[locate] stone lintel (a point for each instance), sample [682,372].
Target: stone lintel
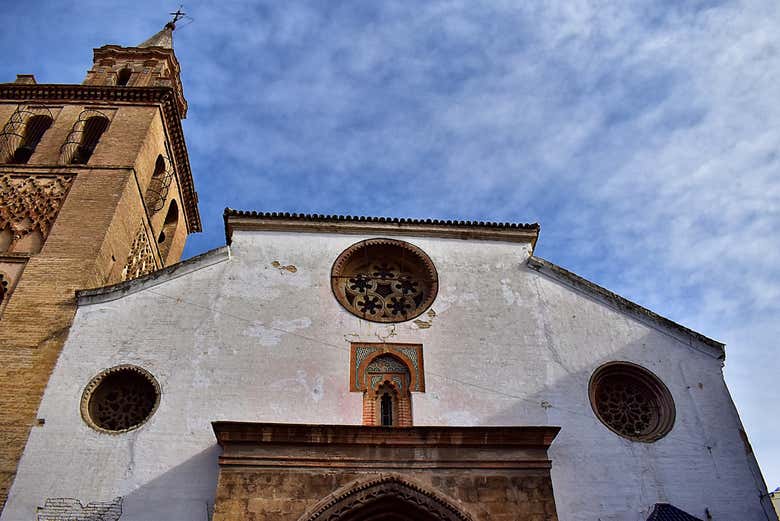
[358,446]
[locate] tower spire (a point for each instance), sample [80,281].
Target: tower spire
[164,38]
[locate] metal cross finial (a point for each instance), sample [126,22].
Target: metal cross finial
[178,15]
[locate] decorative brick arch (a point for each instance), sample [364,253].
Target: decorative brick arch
[387,497]
[363,353]
[393,370]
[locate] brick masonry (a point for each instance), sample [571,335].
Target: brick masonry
[87,246]
[68,509]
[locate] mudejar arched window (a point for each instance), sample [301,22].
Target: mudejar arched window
[84,137]
[22,133]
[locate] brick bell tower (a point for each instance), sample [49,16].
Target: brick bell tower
[95,189]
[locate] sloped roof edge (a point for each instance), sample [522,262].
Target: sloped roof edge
[121,289]
[502,231]
[623,304]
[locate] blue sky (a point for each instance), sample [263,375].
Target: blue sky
[642,135]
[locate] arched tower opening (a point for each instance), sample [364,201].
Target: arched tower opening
[165,239]
[123,77]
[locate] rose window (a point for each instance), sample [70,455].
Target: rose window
[120,399]
[632,402]
[384,280]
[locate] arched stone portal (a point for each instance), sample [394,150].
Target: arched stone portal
[292,472]
[388,498]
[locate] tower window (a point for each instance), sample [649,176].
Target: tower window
[22,133]
[165,239]
[387,410]
[84,137]
[33,132]
[123,77]
[157,191]
[93,129]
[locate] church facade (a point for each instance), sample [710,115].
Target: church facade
[337,367]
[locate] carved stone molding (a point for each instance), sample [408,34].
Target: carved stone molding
[358,499]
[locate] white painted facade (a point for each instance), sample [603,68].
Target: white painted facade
[228,336]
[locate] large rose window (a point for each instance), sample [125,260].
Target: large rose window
[384,280]
[631,401]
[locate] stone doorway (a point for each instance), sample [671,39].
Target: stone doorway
[387,498]
[288,472]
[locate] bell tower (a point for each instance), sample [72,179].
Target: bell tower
[95,189]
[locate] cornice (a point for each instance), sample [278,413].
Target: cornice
[682,333]
[478,230]
[163,96]
[117,52]
[506,437]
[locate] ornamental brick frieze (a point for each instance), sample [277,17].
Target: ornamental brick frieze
[29,205]
[141,260]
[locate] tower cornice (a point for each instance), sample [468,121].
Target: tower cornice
[119,53]
[163,96]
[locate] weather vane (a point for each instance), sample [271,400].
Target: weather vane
[178,15]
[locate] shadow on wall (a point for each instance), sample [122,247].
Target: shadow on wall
[634,475]
[179,493]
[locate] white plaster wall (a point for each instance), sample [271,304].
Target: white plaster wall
[241,340]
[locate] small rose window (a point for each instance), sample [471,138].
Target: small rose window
[384,280]
[632,402]
[120,399]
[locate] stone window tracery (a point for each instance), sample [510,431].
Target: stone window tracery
[120,399]
[384,280]
[631,401]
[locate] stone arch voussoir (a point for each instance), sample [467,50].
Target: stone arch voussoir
[362,492]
